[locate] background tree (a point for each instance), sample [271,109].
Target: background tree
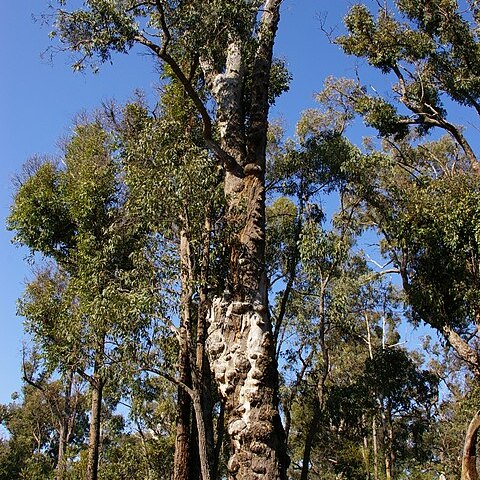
[35,427]
[85,312]
[422,200]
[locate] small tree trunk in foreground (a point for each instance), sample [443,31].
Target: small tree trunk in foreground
[182,459]
[469,460]
[64,432]
[94,436]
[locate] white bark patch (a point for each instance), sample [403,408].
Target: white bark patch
[237,345]
[226,87]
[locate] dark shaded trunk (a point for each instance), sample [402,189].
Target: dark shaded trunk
[95,427]
[307,451]
[181,462]
[203,376]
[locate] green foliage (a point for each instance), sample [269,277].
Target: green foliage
[431,47]
[39,216]
[97,30]
[396,377]
[31,450]
[382,116]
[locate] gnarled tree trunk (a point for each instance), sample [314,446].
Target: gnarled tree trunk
[240,342]
[241,347]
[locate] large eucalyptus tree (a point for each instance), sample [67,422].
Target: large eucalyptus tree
[221,53]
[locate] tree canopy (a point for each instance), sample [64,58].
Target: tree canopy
[197,312]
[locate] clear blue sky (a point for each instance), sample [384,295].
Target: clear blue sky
[39,100]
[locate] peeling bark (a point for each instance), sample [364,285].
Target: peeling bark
[240,343]
[246,375]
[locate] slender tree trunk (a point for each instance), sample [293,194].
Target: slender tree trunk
[391,450]
[375,448]
[469,460]
[61,465]
[388,470]
[218,442]
[387,432]
[95,427]
[202,442]
[365,450]
[182,458]
[307,451]
[320,397]
[203,383]
[181,462]
[64,431]
[374,419]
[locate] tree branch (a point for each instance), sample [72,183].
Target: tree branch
[227,160]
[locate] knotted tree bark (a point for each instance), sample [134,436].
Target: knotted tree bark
[240,342]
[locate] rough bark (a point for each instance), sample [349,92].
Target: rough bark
[95,427]
[469,459]
[240,341]
[245,372]
[463,349]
